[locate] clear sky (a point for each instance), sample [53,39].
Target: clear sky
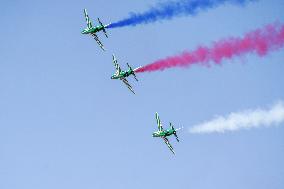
[65,124]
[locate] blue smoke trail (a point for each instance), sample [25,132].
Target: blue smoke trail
[171,9]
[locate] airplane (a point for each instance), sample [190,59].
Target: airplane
[119,74]
[93,30]
[164,133]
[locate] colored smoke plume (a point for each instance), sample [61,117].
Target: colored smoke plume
[243,120]
[260,41]
[171,9]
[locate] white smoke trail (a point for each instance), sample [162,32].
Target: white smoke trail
[243,120]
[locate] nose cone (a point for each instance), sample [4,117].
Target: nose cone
[84,32]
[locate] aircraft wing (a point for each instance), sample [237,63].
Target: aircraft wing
[89,23]
[117,67]
[168,144]
[98,41]
[160,127]
[128,85]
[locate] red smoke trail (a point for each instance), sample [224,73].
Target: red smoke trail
[260,41]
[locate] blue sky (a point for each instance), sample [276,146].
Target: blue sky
[65,124]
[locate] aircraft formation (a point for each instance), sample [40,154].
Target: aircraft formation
[260,42]
[123,74]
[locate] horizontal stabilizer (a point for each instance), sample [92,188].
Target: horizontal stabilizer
[175,131]
[103,27]
[133,72]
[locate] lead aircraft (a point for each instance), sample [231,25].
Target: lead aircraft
[93,30]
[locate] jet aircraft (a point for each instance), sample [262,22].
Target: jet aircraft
[119,74]
[93,30]
[164,133]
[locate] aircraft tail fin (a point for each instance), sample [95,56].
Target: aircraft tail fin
[89,23]
[103,26]
[175,131]
[132,71]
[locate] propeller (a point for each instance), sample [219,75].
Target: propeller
[132,72]
[103,27]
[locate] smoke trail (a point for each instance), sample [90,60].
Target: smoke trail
[171,9]
[261,41]
[243,120]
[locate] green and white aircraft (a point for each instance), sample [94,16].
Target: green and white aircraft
[93,30]
[119,74]
[164,133]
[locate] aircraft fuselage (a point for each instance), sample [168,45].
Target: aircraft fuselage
[123,74]
[92,30]
[163,133]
